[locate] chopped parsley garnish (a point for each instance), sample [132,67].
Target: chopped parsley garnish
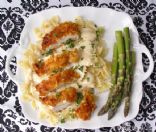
[70,43]
[55,34]
[54,71]
[62,120]
[58,94]
[63,50]
[88,79]
[82,47]
[79,97]
[81,68]
[80,86]
[47,52]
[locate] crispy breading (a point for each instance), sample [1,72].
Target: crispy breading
[56,62]
[68,94]
[87,106]
[59,32]
[66,76]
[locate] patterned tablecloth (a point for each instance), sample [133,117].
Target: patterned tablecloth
[13,14]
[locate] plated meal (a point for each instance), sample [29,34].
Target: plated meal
[82,70]
[67,69]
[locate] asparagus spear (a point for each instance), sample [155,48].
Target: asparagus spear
[118,92]
[105,108]
[115,105]
[128,94]
[128,59]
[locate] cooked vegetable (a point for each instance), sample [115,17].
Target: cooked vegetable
[122,74]
[128,91]
[118,92]
[105,108]
[128,59]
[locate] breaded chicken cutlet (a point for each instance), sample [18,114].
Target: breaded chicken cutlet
[61,33]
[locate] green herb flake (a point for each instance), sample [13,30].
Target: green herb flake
[80,86]
[47,52]
[63,120]
[88,79]
[82,47]
[81,58]
[63,50]
[79,97]
[70,43]
[97,65]
[55,34]
[58,94]
[54,71]
[81,68]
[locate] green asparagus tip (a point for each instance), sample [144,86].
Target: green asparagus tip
[102,111]
[111,113]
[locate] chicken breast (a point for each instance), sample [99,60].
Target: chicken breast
[87,105]
[66,30]
[67,95]
[56,62]
[55,81]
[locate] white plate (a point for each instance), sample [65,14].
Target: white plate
[111,20]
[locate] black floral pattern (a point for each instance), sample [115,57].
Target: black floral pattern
[58,6]
[11,25]
[13,65]
[151,25]
[138,21]
[105,129]
[9,1]
[7,88]
[145,62]
[146,39]
[135,6]
[46,129]
[12,21]
[8,124]
[129,126]
[145,127]
[147,105]
[116,129]
[153,75]
[116,6]
[34,6]
[84,2]
[30,129]
[18,107]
